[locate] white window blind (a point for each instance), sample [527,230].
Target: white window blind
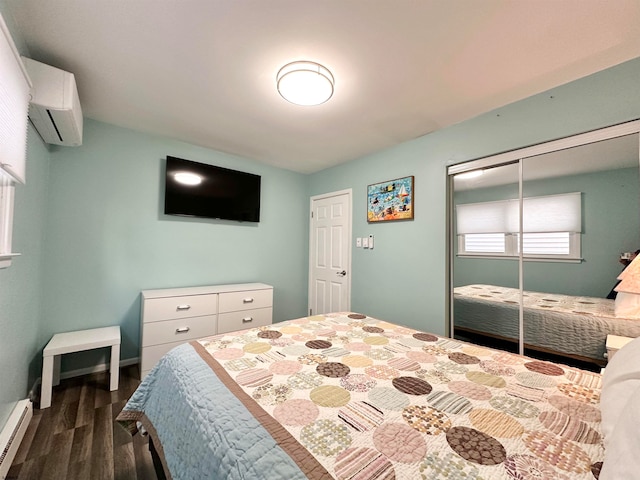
[487,217]
[15,87]
[550,213]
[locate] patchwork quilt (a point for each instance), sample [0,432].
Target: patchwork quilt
[348,396]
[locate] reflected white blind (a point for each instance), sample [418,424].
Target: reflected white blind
[15,87]
[550,213]
[487,217]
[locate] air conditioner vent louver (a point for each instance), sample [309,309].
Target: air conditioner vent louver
[55,107]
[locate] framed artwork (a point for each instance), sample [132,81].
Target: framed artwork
[390,200]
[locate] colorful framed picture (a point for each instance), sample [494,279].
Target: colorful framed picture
[390,200]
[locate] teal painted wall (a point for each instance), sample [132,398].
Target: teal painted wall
[21,284]
[611,224]
[404,278]
[107,238]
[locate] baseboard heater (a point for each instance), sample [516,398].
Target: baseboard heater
[12,434]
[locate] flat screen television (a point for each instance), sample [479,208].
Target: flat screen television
[200,190]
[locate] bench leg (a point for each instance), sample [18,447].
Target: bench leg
[47,379]
[115,367]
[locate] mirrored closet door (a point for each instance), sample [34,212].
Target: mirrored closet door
[536,240]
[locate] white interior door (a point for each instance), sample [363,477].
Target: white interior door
[330,253]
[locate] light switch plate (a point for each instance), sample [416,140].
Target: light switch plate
[358,242]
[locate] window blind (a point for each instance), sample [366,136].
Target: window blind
[550,213]
[15,88]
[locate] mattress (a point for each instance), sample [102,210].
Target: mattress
[571,325]
[348,396]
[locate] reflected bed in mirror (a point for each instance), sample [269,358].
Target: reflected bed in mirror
[565,325]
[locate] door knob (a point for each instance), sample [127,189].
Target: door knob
[342,273]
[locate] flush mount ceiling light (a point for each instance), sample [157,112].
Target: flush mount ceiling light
[187,178]
[305,83]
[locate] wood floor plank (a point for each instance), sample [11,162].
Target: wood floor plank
[82,443]
[79,470]
[86,408]
[103,395]
[14,471]
[67,417]
[102,446]
[124,462]
[144,462]
[42,440]
[57,462]
[32,468]
[27,440]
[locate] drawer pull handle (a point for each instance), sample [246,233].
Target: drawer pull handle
[182,330]
[183,307]
[247,319]
[247,300]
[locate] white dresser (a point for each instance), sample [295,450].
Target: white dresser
[173,316]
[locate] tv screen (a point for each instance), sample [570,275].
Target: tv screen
[199,190]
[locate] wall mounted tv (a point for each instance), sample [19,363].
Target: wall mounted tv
[200,190]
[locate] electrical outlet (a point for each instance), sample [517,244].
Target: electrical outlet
[358,242]
[365,242]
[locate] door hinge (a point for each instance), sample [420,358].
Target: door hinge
[310,312]
[312,214]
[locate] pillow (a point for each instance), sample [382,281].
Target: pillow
[620,380]
[621,459]
[627,305]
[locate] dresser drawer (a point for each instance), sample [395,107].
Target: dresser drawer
[245,300]
[151,355]
[182,329]
[167,308]
[230,322]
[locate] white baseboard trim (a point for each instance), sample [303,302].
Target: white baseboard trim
[102,367]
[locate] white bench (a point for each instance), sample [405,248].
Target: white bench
[77,341]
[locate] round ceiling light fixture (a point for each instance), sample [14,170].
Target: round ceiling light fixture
[305,83]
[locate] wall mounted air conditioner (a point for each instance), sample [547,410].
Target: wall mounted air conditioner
[55,107]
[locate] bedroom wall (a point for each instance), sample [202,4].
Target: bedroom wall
[21,283]
[611,225]
[107,238]
[404,278]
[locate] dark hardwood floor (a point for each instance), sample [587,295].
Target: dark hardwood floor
[78,438]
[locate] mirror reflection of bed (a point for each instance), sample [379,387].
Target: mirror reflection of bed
[569,264]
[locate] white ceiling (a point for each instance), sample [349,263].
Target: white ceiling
[203,71]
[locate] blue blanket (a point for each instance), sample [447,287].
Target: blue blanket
[201,429]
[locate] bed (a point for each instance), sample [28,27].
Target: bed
[348,396]
[570,326]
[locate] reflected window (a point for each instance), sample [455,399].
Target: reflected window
[551,228]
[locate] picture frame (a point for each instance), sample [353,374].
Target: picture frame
[390,200]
